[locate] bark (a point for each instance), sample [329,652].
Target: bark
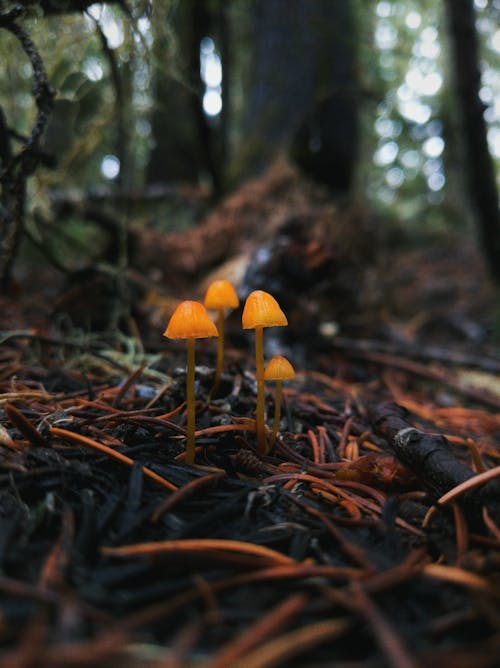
[479,167]
[302,90]
[431,458]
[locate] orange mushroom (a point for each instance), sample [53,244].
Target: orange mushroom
[261,310]
[190,321]
[278,369]
[219,296]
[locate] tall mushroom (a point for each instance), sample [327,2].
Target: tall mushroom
[261,310]
[219,296]
[278,369]
[190,321]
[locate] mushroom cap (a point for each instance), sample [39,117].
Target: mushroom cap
[190,321]
[262,310]
[221,294]
[279,368]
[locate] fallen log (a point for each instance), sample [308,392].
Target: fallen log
[431,458]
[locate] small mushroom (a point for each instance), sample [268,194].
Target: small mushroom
[219,296]
[190,321]
[278,369]
[261,310]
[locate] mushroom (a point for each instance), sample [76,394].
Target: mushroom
[190,321]
[278,369]
[261,310]
[219,296]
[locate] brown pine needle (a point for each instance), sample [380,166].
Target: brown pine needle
[200,545]
[461,531]
[222,428]
[184,492]
[264,628]
[456,575]
[469,484]
[277,651]
[396,653]
[493,528]
[95,445]
[167,416]
[476,456]
[24,426]
[297,571]
[428,516]
[313,440]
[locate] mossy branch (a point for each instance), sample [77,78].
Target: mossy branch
[16,170]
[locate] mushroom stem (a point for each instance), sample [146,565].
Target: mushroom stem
[190,402]
[220,349]
[259,413]
[277,414]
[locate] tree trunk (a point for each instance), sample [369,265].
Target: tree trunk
[184,140]
[479,168]
[302,90]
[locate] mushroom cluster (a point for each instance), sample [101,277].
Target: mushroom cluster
[261,310]
[191,321]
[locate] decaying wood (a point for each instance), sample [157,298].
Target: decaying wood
[280,202]
[277,231]
[431,458]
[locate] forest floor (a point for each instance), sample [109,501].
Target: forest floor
[369,536]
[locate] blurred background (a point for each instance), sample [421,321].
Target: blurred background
[336,150]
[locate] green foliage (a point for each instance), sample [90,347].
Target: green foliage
[106,98]
[411,172]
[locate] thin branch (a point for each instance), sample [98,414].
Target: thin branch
[43,92]
[18,167]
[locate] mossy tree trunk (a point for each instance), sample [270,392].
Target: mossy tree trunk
[303,92]
[479,167]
